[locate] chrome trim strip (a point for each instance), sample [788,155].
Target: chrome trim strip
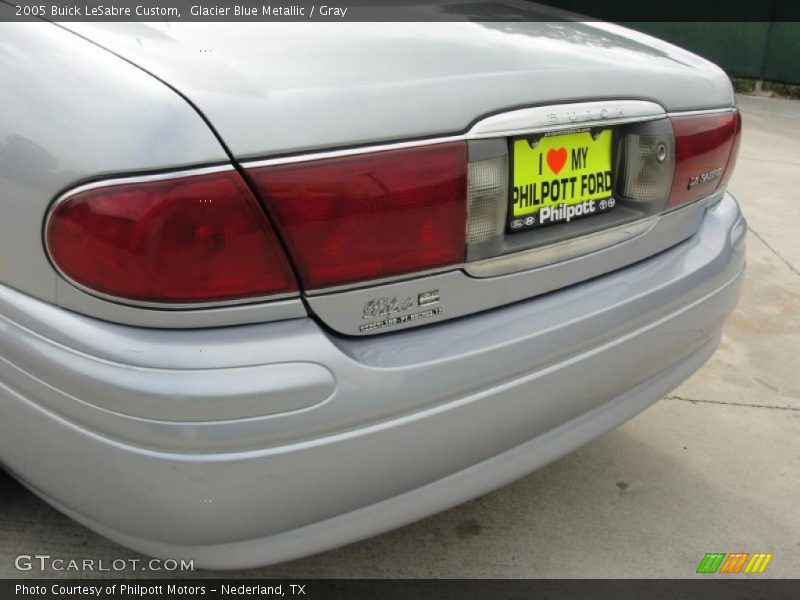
[166,306]
[708,111]
[515,122]
[311,156]
[140,179]
[357,285]
[577,114]
[139,303]
[560,251]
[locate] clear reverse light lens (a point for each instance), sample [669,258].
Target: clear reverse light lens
[487,198]
[646,167]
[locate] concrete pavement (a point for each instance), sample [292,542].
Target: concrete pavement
[713,467]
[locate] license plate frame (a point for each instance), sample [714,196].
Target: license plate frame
[576,167]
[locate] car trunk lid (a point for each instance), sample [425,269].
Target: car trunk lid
[271,89]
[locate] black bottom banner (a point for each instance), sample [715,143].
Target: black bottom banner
[341,589]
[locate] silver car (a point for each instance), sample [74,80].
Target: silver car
[267,289]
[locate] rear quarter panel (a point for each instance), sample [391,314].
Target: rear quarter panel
[71,111]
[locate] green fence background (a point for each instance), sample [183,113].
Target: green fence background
[758,39]
[758,50]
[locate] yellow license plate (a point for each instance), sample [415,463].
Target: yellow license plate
[559,178]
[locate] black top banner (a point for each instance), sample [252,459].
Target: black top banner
[396,10]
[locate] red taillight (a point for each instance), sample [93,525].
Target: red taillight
[368,216]
[197,238]
[737,138]
[705,153]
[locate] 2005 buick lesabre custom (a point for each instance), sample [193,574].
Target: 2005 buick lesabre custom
[268,289]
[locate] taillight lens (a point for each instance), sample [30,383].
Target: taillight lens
[705,153]
[367,216]
[188,239]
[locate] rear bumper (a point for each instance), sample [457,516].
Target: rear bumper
[246,445]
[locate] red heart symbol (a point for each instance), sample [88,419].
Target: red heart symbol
[556,159]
